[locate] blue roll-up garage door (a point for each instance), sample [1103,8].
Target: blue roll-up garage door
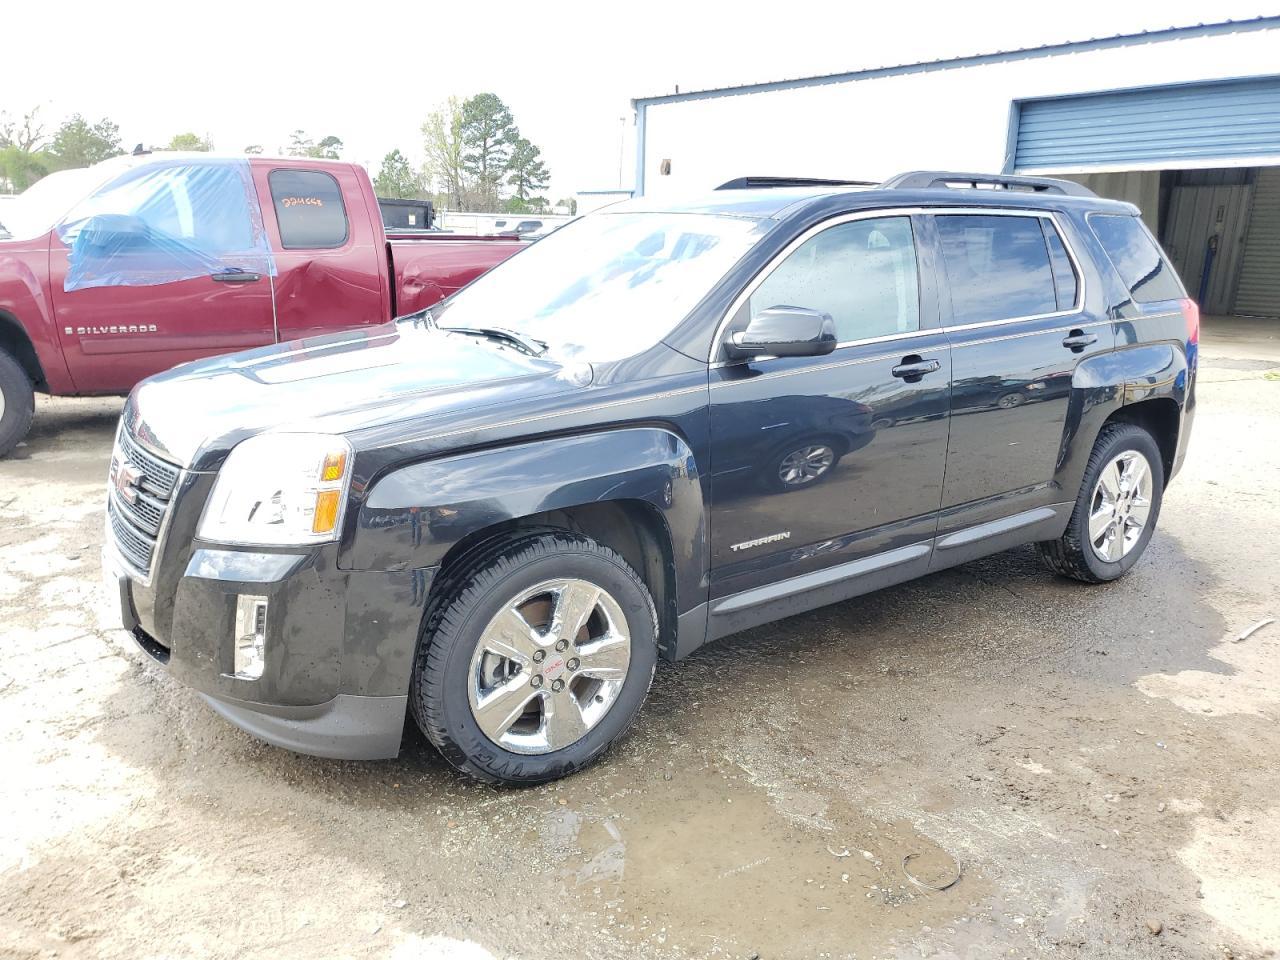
[1194,125]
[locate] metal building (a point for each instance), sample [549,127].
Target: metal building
[1184,122]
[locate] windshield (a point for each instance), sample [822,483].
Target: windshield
[44,203]
[608,285]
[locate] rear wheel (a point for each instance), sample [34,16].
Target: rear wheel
[535,659]
[1116,511]
[17,403]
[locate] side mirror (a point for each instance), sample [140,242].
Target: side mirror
[783,331]
[114,230]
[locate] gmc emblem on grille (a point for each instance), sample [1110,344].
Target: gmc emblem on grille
[127,478]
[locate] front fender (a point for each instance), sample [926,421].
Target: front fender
[414,515]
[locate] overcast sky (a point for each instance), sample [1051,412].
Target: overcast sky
[370,72]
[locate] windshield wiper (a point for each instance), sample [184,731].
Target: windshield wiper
[527,344]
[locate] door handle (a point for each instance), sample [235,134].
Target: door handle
[1077,340]
[235,276]
[913,367]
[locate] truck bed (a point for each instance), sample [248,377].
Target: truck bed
[431,266]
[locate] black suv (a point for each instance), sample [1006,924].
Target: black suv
[660,425]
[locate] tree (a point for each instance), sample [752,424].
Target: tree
[77,143]
[19,168]
[488,134]
[398,180]
[442,141]
[570,204]
[22,161]
[330,148]
[26,135]
[300,145]
[190,142]
[526,172]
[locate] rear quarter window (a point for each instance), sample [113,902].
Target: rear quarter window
[1137,259]
[309,209]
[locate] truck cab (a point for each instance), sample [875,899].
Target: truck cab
[115,272]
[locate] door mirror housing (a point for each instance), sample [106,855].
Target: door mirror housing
[784,331]
[117,231]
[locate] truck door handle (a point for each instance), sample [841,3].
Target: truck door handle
[1077,340]
[913,367]
[235,276]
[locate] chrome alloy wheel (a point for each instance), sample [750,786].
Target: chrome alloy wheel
[806,464]
[1120,507]
[549,666]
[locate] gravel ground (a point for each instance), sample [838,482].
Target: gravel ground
[1101,762]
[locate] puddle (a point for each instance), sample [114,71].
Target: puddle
[706,862]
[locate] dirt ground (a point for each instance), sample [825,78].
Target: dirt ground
[1103,763]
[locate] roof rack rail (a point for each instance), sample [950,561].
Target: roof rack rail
[931,179]
[766,183]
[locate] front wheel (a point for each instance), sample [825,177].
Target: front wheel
[17,403]
[1116,511]
[535,659]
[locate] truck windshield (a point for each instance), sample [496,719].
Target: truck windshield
[38,208]
[607,286]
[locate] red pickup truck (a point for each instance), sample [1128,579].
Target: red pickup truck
[118,271]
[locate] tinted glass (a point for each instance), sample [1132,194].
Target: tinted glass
[309,209]
[1064,274]
[1144,271]
[605,286]
[863,273]
[997,268]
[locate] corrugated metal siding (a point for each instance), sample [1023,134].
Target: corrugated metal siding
[1258,293]
[1160,126]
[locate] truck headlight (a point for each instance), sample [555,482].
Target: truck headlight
[279,489]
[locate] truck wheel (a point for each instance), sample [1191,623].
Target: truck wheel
[536,656]
[17,403]
[1116,511]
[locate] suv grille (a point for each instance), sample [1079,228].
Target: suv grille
[140,487]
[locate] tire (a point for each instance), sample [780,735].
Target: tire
[454,671]
[17,403]
[1078,555]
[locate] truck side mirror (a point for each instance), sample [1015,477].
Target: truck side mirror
[784,331]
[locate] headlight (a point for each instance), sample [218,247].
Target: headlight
[279,489]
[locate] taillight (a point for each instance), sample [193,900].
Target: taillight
[1191,313]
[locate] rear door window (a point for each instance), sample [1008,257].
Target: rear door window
[1065,281]
[1137,259]
[997,267]
[309,209]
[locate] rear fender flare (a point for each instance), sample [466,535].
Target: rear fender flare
[1102,385]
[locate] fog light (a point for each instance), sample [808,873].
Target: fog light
[250,637]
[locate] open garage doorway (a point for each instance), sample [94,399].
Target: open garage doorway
[1202,162]
[1221,228]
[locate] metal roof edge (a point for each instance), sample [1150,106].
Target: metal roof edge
[999,56]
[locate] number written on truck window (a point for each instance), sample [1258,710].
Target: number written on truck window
[997,268]
[309,209]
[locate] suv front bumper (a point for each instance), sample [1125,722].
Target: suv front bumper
[338,653]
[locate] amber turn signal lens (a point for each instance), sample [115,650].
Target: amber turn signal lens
[335,465]
[326,515]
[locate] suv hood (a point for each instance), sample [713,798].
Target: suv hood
[195,413]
